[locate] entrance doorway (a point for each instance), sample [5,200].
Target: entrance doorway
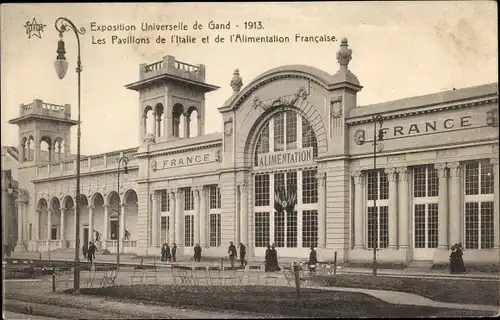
[85,235]
[425,231]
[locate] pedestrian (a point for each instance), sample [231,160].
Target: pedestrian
[169,255]
[267,259]
[85,249]
[164,252]
[127,235]
[274,259]
[174,251]
[91,252]
[243,253]
[97,236]
[197,253]
[232,253]
[460,253]
[454,259]
[313,260]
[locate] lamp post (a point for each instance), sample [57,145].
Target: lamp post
[376,137]
[61,67]
[123,160]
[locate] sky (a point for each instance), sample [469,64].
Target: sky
[400,49]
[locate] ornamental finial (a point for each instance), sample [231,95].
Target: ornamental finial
[345,54]
[236,82]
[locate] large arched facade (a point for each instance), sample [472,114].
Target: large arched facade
[285,198]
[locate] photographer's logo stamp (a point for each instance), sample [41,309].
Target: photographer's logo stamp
[34,29]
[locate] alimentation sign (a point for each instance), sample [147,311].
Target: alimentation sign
[286,158]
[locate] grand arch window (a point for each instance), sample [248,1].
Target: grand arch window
[286,131]
[425,206]
[479,190]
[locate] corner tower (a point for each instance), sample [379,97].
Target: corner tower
[47,124]
[171,100]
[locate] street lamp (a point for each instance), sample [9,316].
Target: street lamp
[61,66]
[125,171]
[377,136]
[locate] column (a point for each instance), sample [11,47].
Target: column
[455,200]
[49,224]
[203,217]
[20,222]
[154,219]
[244,214]
[122,226]
[321,179]
[186,125]
[63,211]
[21,151]
[358,209]
[37,224]
[154,123]
[196,228]
[91,222]
[496,204]
[171,224]
[403,208]
[158,126]
[393,208]
[105,235]
[179,219]
[443,206]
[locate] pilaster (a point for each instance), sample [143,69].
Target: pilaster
[393,207]
[358,209]
[321,180]
[455,201]
[403,208]
[496,205]
[443,206]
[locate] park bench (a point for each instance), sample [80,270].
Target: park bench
[109,278]
[233,276]
[144,274]
[200,274]
[215,276]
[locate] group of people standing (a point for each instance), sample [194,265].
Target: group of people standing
[167,254]
[271,259]
[89,251]
[456,259]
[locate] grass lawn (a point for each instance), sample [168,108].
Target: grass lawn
[444,290]
[280,301]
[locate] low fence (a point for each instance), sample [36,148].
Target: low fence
[105,274]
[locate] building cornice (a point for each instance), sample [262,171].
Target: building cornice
[150,154]
[409,112]
[82,174]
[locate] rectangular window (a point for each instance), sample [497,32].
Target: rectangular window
[291,130]
[165,202]
[279,132]
[419,226]
[188,199]
[189,230]
[215,230]
[215,197]
[262,229]
[262,190]
[479,200]
[309,228]
[309,187]
[279,229]
[378,185]
[291,229]
[378,227]
[165,224]
[425,182]
[479,228]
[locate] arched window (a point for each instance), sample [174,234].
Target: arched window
[286,131]
[178,120]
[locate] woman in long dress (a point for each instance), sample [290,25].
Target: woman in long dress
[460,265]
[267,261]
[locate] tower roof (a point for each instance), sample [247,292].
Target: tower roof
[170,69]
[45,111]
